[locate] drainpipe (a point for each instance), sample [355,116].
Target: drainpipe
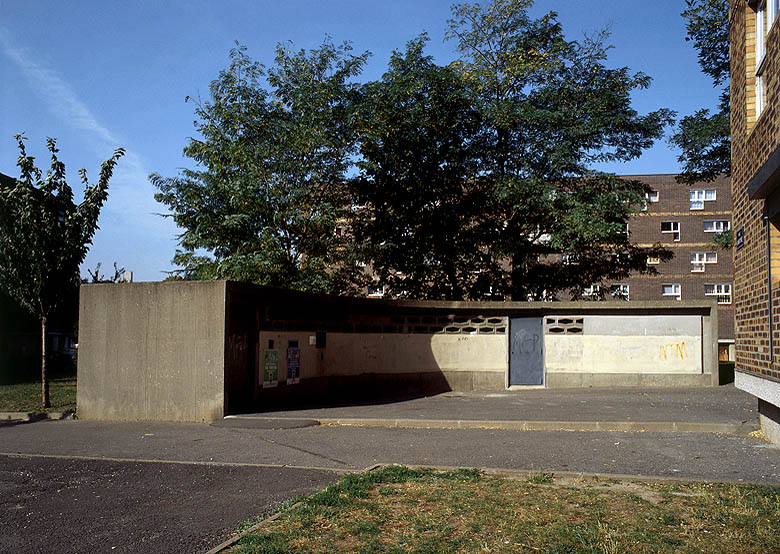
[769,290]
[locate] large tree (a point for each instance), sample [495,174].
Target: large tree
[45,235]
[551,110]
[422,204]
[704,138]
[269,190]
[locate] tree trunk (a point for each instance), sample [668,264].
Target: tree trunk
[45,403]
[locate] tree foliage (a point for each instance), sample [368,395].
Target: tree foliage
[704,137]
[422,206]
[551,110]
[269,190]
[474,180]
[45,235]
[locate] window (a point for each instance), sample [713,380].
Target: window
[671,289]
[717,226]
[766,13]
[376,290]
[722,291]
[699,196]
[699,259]
[672,227]
[569,259]
[653,260]
[619,291]
[651,197]
[591,291]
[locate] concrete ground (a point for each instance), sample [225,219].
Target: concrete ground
[162,487]
[709,406]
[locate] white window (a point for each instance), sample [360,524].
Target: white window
[699,196]
[568,259]
[653,260]
[766,13]
[722,291]
[651,197]
[619,291]
[671,289]
[717,226]
[699,259]
[376,291]
[592,291]
[672,227]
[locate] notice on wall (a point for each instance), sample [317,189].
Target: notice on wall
[293,366]
[270,368]
[739,238]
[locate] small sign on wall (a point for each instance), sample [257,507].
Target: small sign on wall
[293,365]
[739,238]
[270,368]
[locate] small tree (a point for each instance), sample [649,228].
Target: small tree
[44,235]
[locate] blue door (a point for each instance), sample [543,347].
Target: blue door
[526,359]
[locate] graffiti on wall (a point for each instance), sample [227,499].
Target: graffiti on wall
[672,351]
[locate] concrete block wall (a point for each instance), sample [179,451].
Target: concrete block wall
[627,350]
[152,351]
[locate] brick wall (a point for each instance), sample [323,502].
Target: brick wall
[753,139]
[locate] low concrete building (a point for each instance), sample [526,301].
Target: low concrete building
[196,351]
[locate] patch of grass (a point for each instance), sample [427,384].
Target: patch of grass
[26,397]
[398,509]
[540,478]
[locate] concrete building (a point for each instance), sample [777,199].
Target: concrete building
[196,351]
[755,158]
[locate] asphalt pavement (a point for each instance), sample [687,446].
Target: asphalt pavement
[89,486]
[718,409]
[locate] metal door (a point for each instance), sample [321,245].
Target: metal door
[526,358]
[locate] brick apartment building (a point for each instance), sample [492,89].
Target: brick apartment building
[755,161]
[686,220]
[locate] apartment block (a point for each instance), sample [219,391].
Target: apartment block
[688,221]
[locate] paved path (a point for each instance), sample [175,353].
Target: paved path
[68,486]
[629,409]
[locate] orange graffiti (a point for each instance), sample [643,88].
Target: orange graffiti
[673,351]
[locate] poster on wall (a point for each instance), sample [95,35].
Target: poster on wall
[270,368]
[293,365]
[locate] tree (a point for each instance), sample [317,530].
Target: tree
[422,204]
[44,235]
[551,110]
[270,189]
[705,138]
[96,277]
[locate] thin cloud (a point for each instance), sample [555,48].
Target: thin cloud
[131,211]
[55,92]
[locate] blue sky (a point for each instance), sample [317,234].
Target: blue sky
[97,75]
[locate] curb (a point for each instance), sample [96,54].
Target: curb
[742,428]
[234,539]
[27,417]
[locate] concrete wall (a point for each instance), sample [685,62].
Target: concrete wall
[628,350]
[152,351]
[468,362]
[193,351]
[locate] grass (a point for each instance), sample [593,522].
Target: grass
[26,397]
[397,509]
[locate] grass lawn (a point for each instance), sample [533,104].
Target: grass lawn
[26,397]
[397,509]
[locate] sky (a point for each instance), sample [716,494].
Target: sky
[98,75]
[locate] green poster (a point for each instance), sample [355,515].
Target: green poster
[270,368]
